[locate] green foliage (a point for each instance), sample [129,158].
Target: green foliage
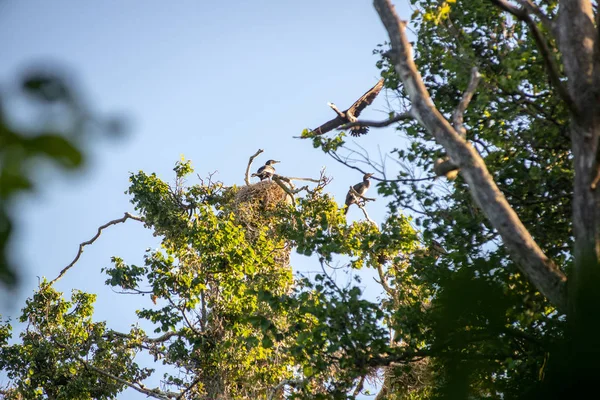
[489,330]
[62,348]
[230,319]
[21,149]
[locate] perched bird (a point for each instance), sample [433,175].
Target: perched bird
[360,188]
[266,171]
[352,113]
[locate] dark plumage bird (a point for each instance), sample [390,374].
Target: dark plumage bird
[266,171]
[352,113]
[360,188]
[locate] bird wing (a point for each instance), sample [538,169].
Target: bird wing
[329,125]
[366,99]
[265,169]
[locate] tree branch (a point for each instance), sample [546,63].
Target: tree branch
[92,240]
[534,9]
[457,116]
[551,66]
[247,177]
[533,263]
[156,393]
[378,124]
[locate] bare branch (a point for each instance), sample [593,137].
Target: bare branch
[383,281]
[378,124]
[247,178]
[300,179]
[553,70]
[92,240]
[337,158]
[279,181]
[457,116]
[159,339]
[533,263]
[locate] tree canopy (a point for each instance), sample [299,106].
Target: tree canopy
[489,290]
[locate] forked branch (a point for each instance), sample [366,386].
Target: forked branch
[533,263]
[92,240]
[458,115]
[247,177]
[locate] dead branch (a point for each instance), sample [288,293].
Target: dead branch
[279,181]
[532,262]
[337,158]
[92,240]
[362,207]
[247,177]
[378,124]
[303,179]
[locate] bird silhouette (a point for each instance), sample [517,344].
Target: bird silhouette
[360,188]
[352,113]
[266,171]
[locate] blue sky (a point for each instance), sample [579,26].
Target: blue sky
[213,81]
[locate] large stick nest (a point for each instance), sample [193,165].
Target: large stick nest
[253,206]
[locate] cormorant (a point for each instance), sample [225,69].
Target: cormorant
[266,171]
[352,113]
[360,188]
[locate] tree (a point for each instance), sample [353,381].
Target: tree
[475,310]
[228,317]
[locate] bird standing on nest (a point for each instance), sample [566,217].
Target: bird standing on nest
[266,171]
[360,188]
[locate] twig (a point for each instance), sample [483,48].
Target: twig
[337,158]
[457,116]
[92,240]
[247,178]
[303,179]
[553,70]
[378,124]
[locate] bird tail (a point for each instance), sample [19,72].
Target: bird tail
[346,210]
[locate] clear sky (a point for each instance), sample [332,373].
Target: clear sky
[213,81]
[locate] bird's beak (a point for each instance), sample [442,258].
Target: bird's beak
[276,162]
[370,175]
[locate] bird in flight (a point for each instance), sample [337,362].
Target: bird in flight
[352,113]
[360,188]
[266,171]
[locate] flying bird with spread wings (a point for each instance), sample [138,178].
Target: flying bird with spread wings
[352,113]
